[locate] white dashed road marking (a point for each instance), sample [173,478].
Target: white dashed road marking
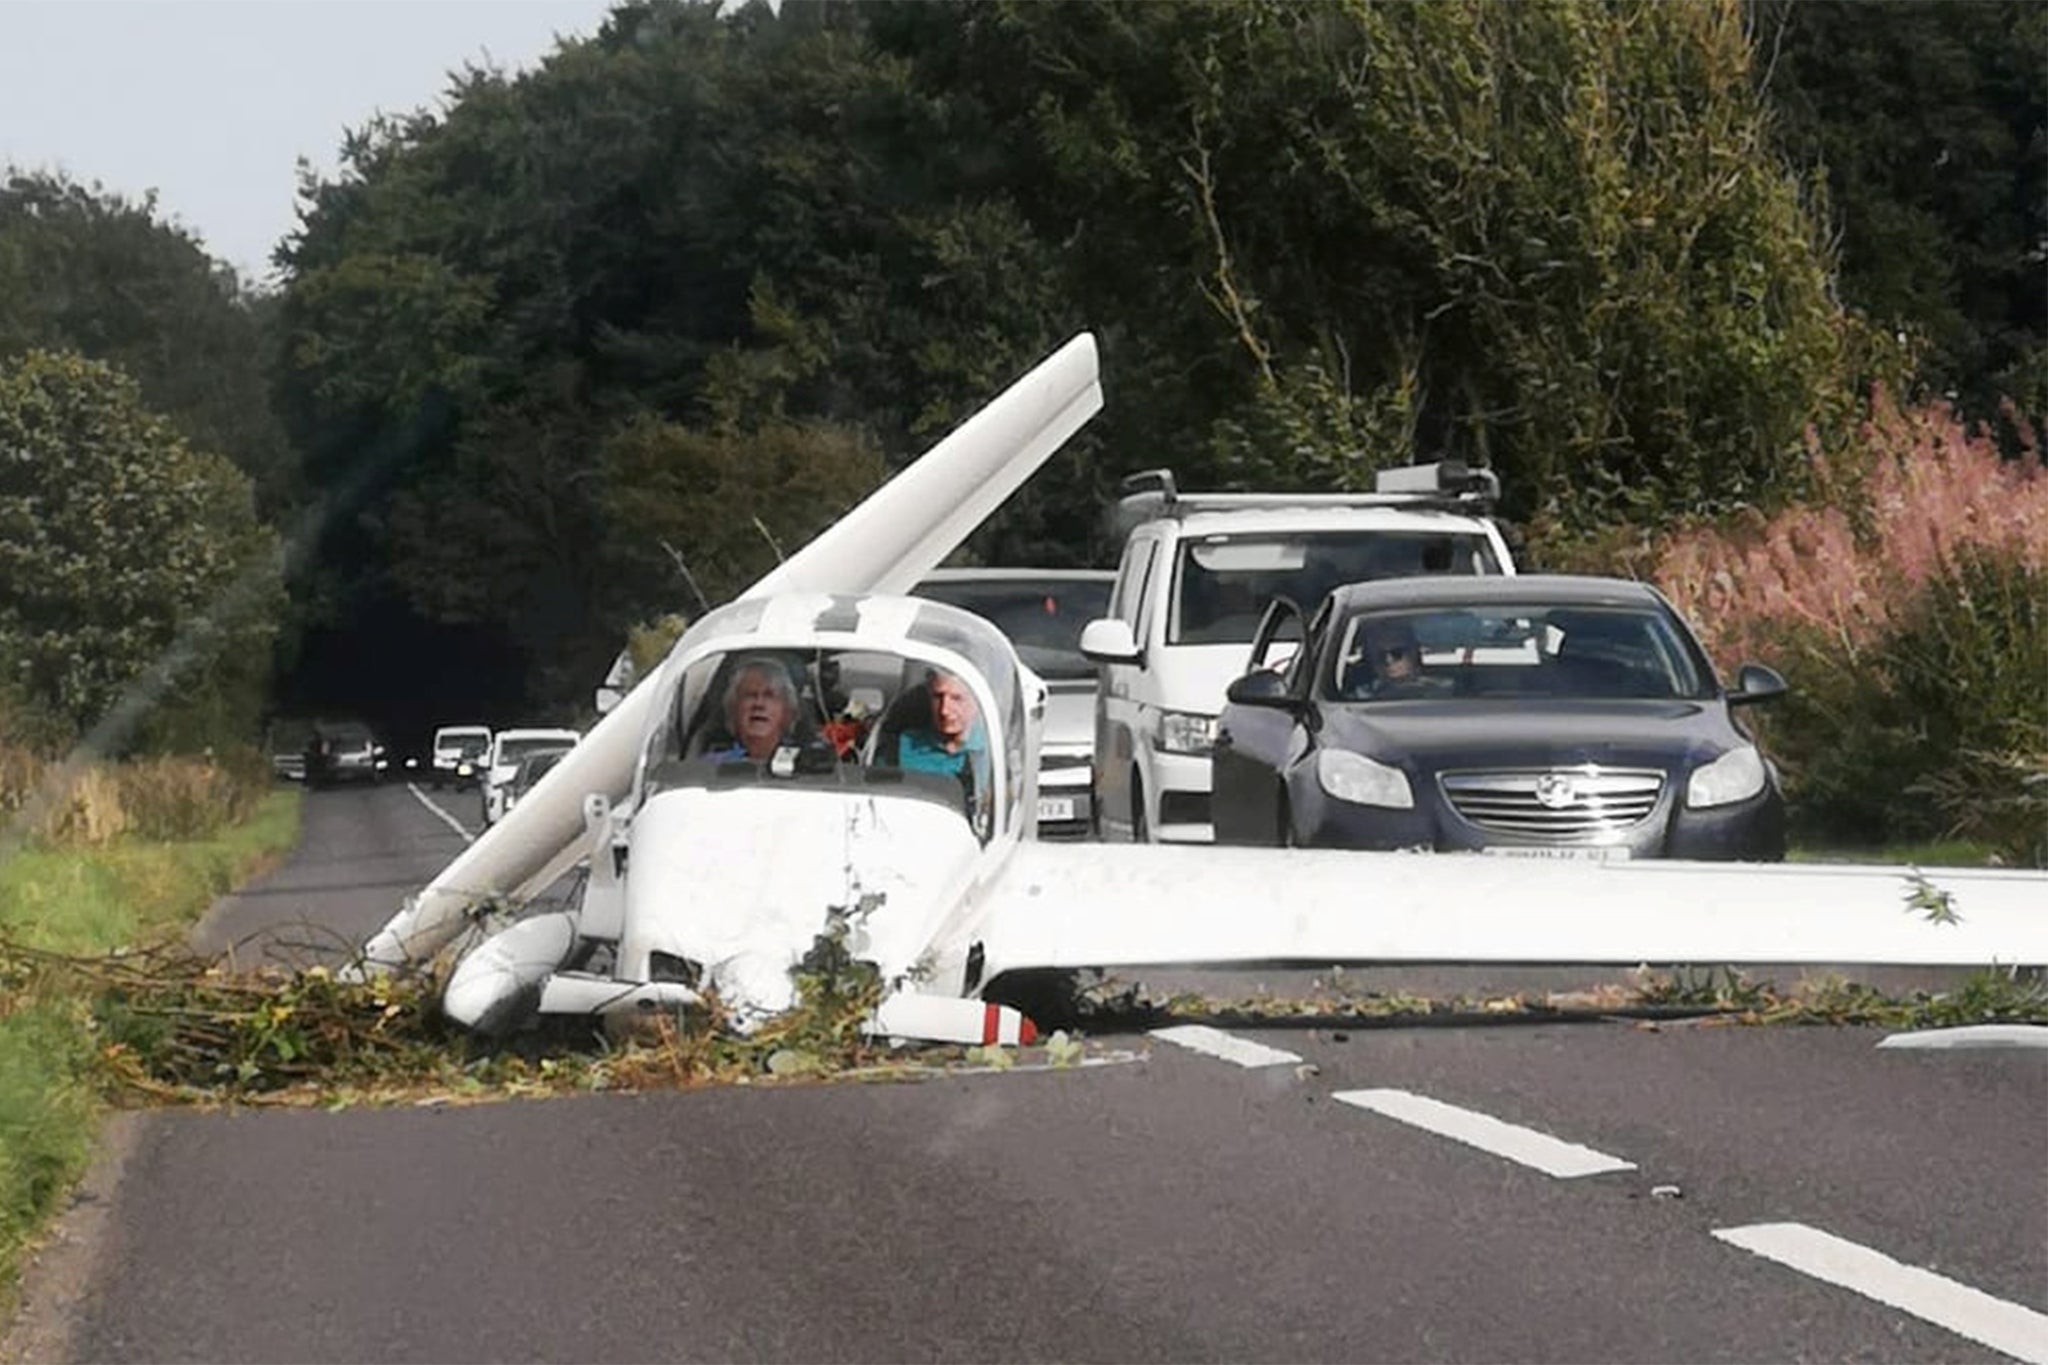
[446,818]
[1552,1156]
[2019,1332]
[1972,1035]
[1216,1043]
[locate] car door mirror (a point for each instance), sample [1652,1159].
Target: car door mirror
[1755,683]
[1109,641]
[1263,688]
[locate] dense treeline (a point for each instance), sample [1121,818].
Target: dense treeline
[586,342]
[140,458]
[1314,239]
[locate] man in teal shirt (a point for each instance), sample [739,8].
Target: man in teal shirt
[953,741]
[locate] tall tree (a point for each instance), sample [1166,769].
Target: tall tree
[93,272]
[136,580]
[1930,124]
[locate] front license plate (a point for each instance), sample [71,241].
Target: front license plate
[1055,808]
[1579,853]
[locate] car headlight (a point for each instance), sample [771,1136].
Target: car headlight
[1184,732]
[1735,776]
[1362,781]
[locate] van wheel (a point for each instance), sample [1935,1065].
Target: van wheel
[1139,833]
[1283,834]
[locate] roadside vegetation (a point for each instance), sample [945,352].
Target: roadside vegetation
[95,860]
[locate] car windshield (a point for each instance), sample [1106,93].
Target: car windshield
[1225,581]
[1042,619]
[1492,652]
[347,734]
[847,718]
[531,770]
[512,750]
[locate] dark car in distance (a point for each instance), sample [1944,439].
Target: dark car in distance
[1542,715]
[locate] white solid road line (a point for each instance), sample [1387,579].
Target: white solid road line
[1971,1036]
[448,819]
[2019,1332]
[1216,1043]
[1565,1160]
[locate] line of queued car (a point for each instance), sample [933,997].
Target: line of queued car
[1373,671]
[1354,671]
[502,765]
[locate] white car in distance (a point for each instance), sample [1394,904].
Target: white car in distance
[507,748]
[454,747]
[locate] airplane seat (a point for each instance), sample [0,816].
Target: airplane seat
[1597,657]
[912,707]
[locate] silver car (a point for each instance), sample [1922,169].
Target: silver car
[1042,612]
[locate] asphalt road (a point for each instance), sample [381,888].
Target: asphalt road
[1165,1204]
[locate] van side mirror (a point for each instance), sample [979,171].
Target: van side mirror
[1109,641]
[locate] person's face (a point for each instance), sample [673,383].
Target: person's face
[1396,658]
[760,717]
[952,709]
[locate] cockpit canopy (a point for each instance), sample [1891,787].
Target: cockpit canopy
[836,692]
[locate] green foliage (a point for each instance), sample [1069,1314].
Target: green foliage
[133,569]
[729,504]
[1548,236]
[46,1116]
[86,271]
[1314,239]
[1930,123]
[90,901]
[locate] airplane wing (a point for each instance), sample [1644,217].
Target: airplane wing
[1123,905]
[892,539]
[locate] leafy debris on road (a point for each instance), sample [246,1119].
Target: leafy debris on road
[168,1026]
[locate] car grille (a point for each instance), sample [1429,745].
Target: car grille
[1047,761]
[1555,803]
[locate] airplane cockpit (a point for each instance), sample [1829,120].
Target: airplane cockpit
[886,695]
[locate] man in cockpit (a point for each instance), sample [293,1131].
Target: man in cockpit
[760,712]
[952,740]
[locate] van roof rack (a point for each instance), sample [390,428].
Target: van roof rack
[1445,485]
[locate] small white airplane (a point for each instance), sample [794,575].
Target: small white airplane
[710,875]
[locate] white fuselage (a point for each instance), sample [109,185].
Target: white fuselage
[743,882]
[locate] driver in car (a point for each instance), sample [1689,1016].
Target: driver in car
[1390,666]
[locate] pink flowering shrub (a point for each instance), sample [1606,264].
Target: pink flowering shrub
[1909,611]
[1926,491]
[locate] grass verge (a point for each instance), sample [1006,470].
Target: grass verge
[90,901]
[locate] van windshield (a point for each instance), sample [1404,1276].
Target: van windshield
[1223,582]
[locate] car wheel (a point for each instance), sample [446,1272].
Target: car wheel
[1139,833]
[1283,836]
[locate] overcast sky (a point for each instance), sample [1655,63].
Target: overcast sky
[211,102]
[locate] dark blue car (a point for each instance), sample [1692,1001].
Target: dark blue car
[1542,715]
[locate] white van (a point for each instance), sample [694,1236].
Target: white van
[457,747]
[1197,573]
